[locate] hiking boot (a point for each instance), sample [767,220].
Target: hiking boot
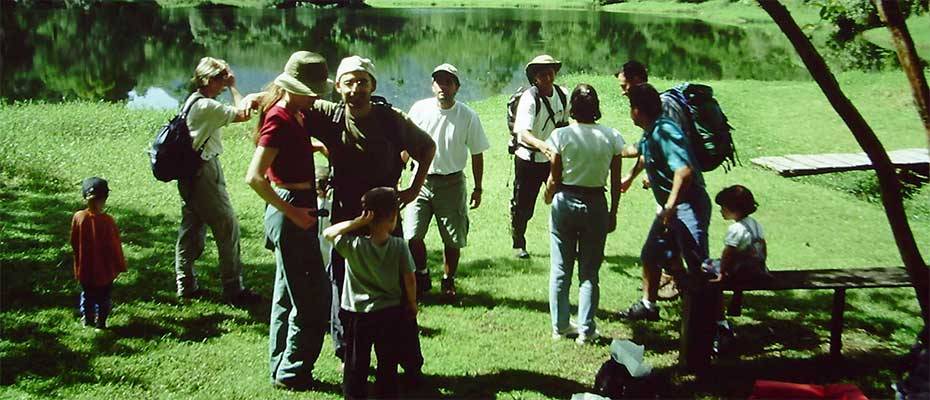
[244,298]
[193,294]
[668,292]
[638,311]
[723,340]
[87,320]
[591,338]
[424,284]
[448,287]
[521,253]
[101,323]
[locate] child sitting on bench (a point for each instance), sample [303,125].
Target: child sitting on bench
[744,251]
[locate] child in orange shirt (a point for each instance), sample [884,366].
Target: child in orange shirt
[98,253]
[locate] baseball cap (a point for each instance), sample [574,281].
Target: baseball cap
[355,64]
[449,69]
[94,187]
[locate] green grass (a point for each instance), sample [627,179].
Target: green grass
[495,341]
[919,28]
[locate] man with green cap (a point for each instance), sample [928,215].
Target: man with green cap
[542,108]
[365,137]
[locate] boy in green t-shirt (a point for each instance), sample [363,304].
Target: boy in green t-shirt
[378,293]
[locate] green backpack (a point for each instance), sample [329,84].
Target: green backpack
[710,133]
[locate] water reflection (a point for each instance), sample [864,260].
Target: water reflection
[120,51]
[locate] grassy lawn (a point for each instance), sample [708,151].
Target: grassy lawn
[919,28]
[494,342]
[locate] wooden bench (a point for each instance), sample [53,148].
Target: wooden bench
[699,311]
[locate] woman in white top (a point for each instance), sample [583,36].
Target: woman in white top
[204,199]
[585,154]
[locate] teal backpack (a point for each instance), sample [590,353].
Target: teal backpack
[710,133]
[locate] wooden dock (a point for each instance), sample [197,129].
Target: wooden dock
[812,164]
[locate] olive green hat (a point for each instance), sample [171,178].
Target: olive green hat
[305,74]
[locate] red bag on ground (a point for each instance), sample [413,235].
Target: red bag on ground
[786,390]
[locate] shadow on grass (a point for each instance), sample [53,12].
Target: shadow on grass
[37,280]
[488,385]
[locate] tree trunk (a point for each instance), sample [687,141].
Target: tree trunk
[890,13]
[887,179]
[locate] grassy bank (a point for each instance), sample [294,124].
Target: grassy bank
[919,28]
[494,342]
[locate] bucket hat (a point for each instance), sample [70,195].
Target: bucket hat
[355,64]
[305,74]
[539,61]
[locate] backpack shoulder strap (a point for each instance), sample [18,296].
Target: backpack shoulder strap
[190,104]
[562,97]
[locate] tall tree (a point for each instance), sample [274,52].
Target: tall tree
[890,13]
[890,186]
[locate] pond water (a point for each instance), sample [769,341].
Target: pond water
[145,55]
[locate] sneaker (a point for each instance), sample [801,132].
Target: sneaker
[448,287]
[245,297]
[521,254]
[638,311]
[588,339]
[571,330]
[278,384]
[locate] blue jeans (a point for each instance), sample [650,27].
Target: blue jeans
[96,302]
[685,236]
[300,303]
[578,227]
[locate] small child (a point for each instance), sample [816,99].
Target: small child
[378,295]
[744,251]
[98,253]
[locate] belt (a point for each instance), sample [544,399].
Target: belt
[584,190]
[452,175]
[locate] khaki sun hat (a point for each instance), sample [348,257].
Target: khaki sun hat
[305,74]
[355,64]
[449,69]
[542,60]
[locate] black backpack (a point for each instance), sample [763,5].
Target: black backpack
[172,154]
[710,132]
[512,113]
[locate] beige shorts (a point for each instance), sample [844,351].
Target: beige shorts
[445,197]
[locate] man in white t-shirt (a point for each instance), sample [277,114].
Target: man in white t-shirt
[542,108]
[458,134]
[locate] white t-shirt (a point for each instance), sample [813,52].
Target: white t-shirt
[586,151]
[456,131]
[204,120]
[741,234]
[528,119]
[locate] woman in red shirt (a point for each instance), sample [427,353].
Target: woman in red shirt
[282,173]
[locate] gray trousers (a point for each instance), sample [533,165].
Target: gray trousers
[205,202]
[301,300]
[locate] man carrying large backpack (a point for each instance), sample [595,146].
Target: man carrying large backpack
[679,229]
[542,108]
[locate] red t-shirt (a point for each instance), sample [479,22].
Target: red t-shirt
[294,162]
[98,253]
